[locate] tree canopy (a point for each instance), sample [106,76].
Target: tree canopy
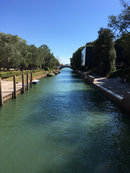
[120,24]
[100,54]
[16,53]
[76,58]
[104,51]
[112,47]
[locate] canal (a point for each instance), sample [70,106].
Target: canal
[63,125]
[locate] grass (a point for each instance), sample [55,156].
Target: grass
[35,74]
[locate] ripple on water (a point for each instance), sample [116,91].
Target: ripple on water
[62,125]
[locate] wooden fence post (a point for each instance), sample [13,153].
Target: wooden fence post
[14,84]
[23,88]
[1,99]
[31,80]
[27,81]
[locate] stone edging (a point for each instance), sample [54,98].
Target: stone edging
[122,102]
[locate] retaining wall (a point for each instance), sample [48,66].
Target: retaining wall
[122,102]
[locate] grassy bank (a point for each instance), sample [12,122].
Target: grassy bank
[9,75]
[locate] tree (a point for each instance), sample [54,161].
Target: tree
[104,52]
[33,59]
[16,53]
[122,46]
[76,59]
[24,54]
[9,51]
[120,23]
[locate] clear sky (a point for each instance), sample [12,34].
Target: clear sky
[64,25]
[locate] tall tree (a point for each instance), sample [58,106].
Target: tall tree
[120,24]
[16,53]
[104,52]
[76,58]
[9,51]
[122,46]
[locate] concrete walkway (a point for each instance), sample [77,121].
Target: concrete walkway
[116,91]
[113,84]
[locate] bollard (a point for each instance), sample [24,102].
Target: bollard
[1,99]
[31,80]
[23,87]
[27,81]
[14,84]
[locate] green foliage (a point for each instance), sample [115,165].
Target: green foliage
[116,73]
[120,24]
[16,54]
[89,56]
[17,73]
[104,52]
[76,59]
[122,46]
[9,51]
[100,54]
[125,73]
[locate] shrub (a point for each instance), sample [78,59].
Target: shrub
[116,73]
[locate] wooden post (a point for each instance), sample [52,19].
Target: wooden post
[1,99]
[27,81]
[31,80]
[14,84]
[23,88]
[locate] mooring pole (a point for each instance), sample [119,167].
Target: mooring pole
[27,81]
[23,88]
[31,80]
[14,84]
[1,99]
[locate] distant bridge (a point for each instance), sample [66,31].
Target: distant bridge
[64,66]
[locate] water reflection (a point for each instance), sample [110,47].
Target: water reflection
[63,125]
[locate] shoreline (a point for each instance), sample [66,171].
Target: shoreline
[118,95]
[7,87]
[105,85]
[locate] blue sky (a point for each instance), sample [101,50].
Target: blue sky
[64,25]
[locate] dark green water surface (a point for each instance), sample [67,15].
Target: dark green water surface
[63,125]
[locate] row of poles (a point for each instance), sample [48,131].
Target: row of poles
[14,86]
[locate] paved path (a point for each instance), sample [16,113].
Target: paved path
[113,84]
[7,87]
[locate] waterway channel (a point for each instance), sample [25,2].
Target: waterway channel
[63,125]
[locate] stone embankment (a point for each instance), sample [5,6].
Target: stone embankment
[116,91]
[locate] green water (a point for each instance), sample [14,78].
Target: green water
[63,125]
